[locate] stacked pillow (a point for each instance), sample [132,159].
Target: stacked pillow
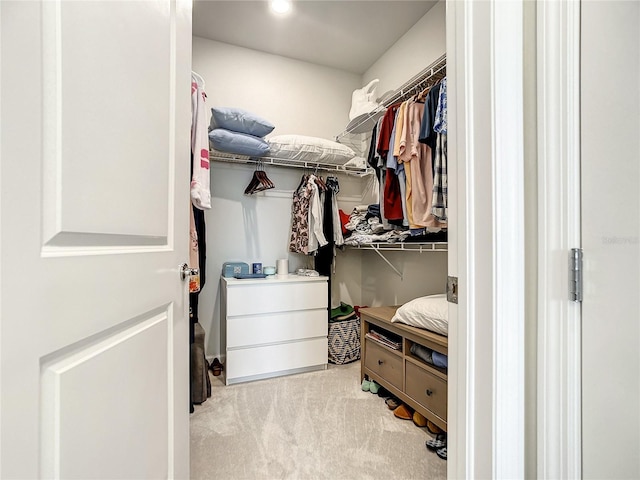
[234,130]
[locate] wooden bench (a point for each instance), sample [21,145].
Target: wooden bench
[418,384]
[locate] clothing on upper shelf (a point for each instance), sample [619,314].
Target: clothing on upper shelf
[200,189]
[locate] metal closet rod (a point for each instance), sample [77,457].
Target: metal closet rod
[433,73]
[279,162]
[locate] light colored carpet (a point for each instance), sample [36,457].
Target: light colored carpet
[307,426]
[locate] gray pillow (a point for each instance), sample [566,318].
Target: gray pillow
[238,143]
[239,120]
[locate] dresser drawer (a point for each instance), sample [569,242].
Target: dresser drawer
[276,327]
[427,389]
[275,297]
[384,363]
[269,360]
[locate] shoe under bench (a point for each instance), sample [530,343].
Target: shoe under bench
[418,384]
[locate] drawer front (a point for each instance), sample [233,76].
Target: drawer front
[277,297]
[268,359]
[384,363]
[427,389]
[276,327]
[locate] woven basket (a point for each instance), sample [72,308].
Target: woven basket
[344,341]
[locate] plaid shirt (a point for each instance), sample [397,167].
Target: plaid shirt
[440,125]
[439,198]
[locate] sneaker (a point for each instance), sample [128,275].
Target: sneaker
[442,453]
[366,385]
[437,443]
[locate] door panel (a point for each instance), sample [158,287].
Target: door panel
[98,117]
[95,150]
[77,407]
[610,153]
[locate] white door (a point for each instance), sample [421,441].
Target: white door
[95,152]
[610,163]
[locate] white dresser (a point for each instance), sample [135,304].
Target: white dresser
[273,326]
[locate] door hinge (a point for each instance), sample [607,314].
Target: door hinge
[452,289]
[575,275]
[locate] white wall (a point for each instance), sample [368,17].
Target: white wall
[415,50]
[422,274]
[298,97]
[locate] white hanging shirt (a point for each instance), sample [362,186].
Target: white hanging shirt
[200,181]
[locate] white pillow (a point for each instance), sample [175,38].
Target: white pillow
[430,313]
[309,149]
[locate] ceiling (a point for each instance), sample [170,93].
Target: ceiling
[343,34]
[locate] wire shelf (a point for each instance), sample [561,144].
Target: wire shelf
[283,162]
[419,247]
[426,78]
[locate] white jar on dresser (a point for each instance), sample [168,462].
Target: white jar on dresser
[273,326]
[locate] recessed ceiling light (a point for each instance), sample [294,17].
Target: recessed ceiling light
[280,7]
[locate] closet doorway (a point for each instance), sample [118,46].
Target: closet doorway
[242,56]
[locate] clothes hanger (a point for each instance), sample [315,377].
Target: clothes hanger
[265,182]
[303,180]
[198,78]
[259,181]
[253,183]
[423,94]
[320,182]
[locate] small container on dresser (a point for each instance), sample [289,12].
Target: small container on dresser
[273,326]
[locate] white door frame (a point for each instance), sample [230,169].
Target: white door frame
[559,332]
[486,372]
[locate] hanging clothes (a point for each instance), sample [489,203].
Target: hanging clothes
[440,184]
[440,123]
[200,181]
[382,176]
[398,167]
[439,197]
[316,215]
[299,237]
[418,155]
[332,229]
[427,134]
[194,258]
[392,189]
[200,199]
[390,202]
